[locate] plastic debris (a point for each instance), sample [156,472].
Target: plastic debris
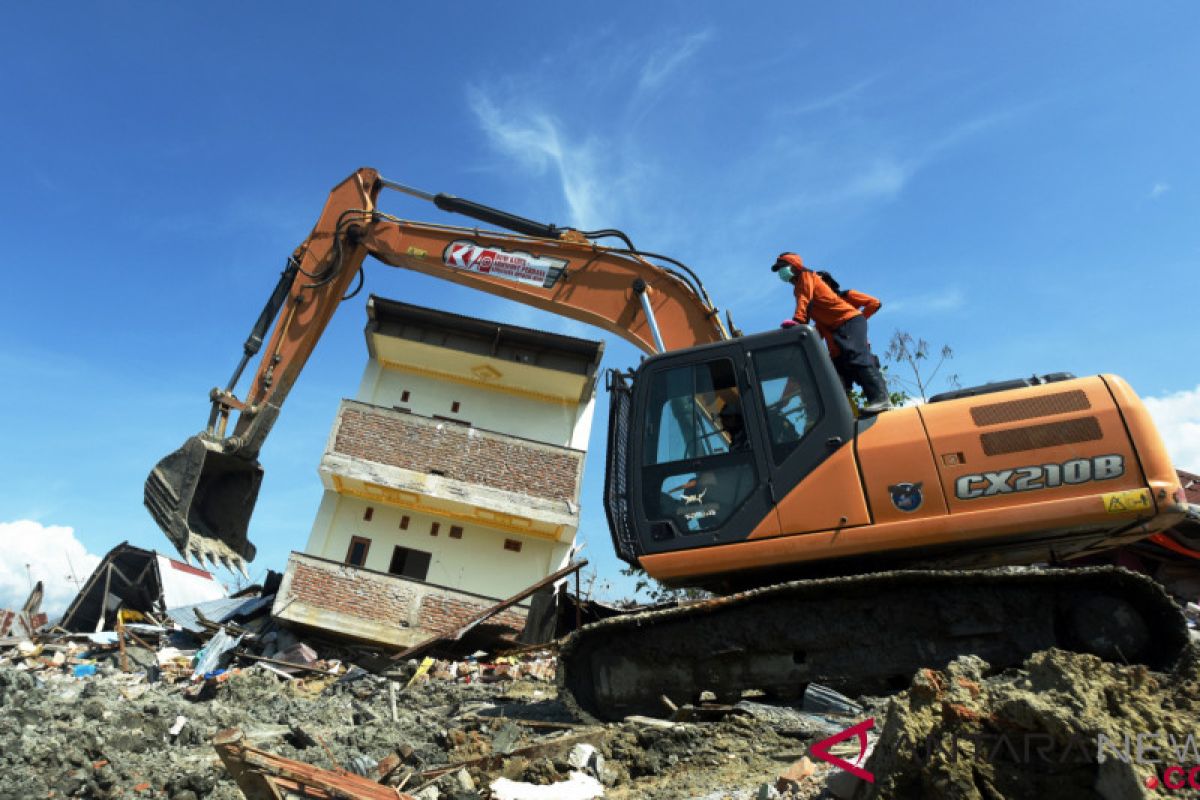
[209,659]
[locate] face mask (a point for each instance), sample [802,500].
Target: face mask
[786,274]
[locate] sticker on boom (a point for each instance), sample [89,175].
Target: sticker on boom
[1044,476]
[511,265]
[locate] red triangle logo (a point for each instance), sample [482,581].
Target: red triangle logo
[821,749]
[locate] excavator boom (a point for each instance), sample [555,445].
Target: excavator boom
[202,495]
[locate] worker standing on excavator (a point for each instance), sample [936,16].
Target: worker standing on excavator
[866,304]
[847,328]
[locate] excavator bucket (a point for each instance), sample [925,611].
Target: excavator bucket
[202,499]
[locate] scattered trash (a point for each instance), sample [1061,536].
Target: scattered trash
[823,700]
[577,787]
[580,755]
[311,721]
[213,655]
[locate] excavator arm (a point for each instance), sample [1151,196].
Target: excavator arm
[203,494]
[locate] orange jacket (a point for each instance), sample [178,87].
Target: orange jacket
[860,300]
[815,298]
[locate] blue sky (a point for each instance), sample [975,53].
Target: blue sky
[1019,181]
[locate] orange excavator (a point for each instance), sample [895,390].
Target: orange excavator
[845,550]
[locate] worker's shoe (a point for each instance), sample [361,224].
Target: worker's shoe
[875,388]
[875,407]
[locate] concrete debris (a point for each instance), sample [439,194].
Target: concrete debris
[301,716]
[1063,725]
[581,755]
[791,778]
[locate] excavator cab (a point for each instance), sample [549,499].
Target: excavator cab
[703,442]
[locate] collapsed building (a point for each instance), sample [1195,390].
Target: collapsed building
[451,480]
[136,579]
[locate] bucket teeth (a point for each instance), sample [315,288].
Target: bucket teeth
[201,549]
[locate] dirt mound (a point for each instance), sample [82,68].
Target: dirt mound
[1064,725]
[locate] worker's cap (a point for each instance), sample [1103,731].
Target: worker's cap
[787,260]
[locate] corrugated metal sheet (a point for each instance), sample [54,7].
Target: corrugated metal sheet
[222,610]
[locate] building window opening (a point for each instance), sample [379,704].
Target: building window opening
[512,545]
[410,563]
[433,529]
[356,554]
[370,512]
[404,523]
[404,396]
[455,531]
[454,407]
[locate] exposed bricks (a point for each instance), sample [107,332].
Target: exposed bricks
[457,452]
[342,590]
[355,593]
[444,613]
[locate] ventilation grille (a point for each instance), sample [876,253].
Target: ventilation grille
[1030,408]
[1035,437]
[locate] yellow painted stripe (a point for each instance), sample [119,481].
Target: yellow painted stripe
[411,501]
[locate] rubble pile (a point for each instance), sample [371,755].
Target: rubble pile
[205,703]
[433,729]
[1064,725]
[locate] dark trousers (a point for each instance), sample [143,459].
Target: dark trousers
[856,363]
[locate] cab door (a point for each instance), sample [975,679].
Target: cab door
[697,465]
[811,469]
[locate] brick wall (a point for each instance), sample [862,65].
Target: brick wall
[465,454]
[10,622]
[377,607]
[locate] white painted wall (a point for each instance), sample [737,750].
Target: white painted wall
[476,563]
[484,407]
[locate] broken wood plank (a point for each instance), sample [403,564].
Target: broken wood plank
[264,776]
[545,747]
[458,633]
[289,664]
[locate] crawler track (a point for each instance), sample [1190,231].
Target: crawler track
[864,634]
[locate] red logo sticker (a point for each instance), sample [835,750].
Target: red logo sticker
[821,749]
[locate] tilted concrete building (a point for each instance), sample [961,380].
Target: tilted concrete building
[452,480]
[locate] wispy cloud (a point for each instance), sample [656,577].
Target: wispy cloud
[1159,189]
[598,169]
[660,66]
[1177,416]
[538,142]
[951,298]
[851,170]
[837,99]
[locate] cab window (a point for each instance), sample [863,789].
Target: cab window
[793,404]
[697,465]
